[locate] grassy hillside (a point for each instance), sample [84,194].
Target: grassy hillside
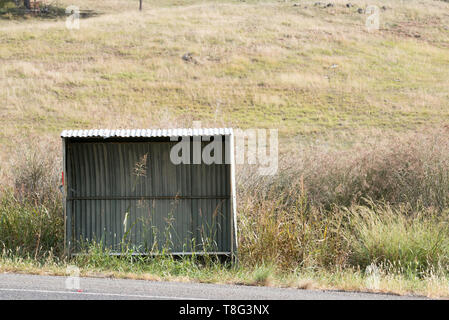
[303,68]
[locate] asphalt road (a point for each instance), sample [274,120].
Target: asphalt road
[31,287]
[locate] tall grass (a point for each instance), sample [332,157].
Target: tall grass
[31,220]
[309,215]
[290,236]
[383,203]
[405,168]
[30,229]
[400,238]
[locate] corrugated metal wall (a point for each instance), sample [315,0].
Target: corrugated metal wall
[176,207]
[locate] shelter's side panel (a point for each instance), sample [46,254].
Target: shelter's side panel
[131,193]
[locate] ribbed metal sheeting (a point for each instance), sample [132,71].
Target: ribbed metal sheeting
[175,207]
[145,133]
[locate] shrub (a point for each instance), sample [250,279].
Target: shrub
[31,216]
[29,229]
[36,171]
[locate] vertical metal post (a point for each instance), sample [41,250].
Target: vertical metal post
[233,198]
[67,224]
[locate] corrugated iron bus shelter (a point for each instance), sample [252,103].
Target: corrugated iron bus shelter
[121,187]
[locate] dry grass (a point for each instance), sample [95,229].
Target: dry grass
[383,202]
[259,64]
[397,168]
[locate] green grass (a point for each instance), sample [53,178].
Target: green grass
[409,241]
[29,228]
